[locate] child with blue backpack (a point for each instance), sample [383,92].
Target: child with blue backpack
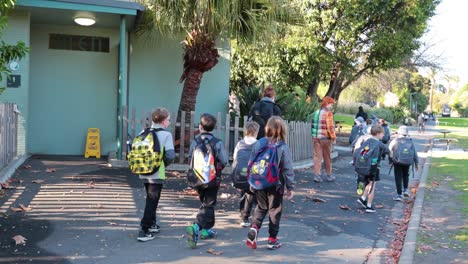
[207,160]
[402,154]
[240,164]
[270,171]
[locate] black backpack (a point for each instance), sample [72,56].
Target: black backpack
[240,166]
[261,112]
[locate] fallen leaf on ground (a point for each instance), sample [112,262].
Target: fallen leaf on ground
[379,206]
[91,184]
[425,248]
[16,209]
[292,201]
[38,181]
[27,166]
[318,200]
[6,186]
[25,208]
[112,223]
[190,192]
[51,170]
[212,251]
[435,184]
[344,207]
[19,240]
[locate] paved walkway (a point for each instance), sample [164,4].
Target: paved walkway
[85,212]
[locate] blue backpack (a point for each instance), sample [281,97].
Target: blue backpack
[263,170]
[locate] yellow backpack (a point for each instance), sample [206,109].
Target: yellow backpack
[145,156]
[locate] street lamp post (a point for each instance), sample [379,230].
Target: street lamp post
[410,102]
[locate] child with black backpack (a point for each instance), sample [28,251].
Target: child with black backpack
[270,171]
[402,154]
[207,160]
[163,154]
[240,164]
[367,163]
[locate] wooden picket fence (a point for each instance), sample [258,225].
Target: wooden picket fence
[229,130]
[8,133]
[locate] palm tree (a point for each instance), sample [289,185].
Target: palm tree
[205,22]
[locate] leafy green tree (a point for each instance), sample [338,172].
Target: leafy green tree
[8,52]
[459,101]
[362,36]
[205,22]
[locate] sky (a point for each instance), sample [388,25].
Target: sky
[448,31]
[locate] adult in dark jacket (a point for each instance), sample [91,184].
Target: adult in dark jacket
[265,108]
[361,113]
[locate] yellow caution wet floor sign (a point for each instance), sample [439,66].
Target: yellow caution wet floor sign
[93,145]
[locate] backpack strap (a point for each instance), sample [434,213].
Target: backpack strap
[157,144]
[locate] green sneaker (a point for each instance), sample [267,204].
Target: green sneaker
[360,188]
[192,235]
[208,233]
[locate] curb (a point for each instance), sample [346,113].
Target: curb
[301,164]
[10,169]
[409,247]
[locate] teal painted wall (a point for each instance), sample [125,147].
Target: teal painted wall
[18,30]
[155,69]
[72,91]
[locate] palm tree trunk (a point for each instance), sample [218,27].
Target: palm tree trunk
[188,98]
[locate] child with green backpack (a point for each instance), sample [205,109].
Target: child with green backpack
[402,154]
[151,167]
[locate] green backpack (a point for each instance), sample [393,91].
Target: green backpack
[145,156]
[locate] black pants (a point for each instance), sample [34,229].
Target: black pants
[206,213]
[247,202]
[401,175]
[269,201]
[153,193]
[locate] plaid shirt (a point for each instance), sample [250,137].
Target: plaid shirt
[323,126]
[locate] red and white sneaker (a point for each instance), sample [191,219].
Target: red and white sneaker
[252,238]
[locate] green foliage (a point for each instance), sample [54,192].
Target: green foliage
[8,52]
[398,114]
[296,106]
[384,113]
[351,107]
[460,101]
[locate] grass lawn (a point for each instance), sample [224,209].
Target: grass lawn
[446,122]
[454,166]
[346,121]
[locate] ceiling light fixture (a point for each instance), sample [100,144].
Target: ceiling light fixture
[84,21]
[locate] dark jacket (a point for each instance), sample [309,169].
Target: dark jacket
[261,111]
[363,115]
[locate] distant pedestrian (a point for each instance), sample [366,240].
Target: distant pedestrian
[361,113]
[268,182]
[403,154]
[358,130]
[367,163]
[387,132]
[240,164]
[207,159]
[323,136]
[154,182]
[265,108]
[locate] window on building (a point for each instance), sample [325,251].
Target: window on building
[80,43]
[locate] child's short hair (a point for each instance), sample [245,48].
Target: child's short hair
[159,115]
[376,129]
[269,91]
[208,122]
[251,129]
[275,128]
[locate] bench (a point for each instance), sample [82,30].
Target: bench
[447,141]
[445,132]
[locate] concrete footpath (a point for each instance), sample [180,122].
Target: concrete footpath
[82,211]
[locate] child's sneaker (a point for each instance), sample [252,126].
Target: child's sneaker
[244,223]
[370,209]
[208,233]
[362,202]
[273,243]
[145,236]
[154,229]
[398,198]
[406,194]
[252,238]
[360,188]
[318,179]
[192,235]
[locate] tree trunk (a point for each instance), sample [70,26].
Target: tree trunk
[335,81]
[313,87]
[188,99]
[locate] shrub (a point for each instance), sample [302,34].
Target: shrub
[351,108]
[382,113]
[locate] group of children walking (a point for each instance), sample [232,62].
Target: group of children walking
[268,161]
[262,171]
[369,148]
